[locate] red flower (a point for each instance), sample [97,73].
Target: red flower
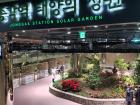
[70,85]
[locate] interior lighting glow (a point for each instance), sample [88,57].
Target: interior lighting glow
[17,35]
[135,40]
[95,26]
[69,32]
[23,31]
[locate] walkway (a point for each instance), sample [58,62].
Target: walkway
[38,94]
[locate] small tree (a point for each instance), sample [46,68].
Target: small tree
[94,78]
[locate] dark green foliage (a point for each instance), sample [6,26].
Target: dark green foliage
[94,80]
[137,72]
[108,81]
[128,80]
[121,64]
[72,74]
[84,71]
[57,84]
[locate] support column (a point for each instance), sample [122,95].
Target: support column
[6,73]
[2,75]
[2,84]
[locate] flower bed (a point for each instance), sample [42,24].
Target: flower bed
[70,85]
[81,87]
[84,100]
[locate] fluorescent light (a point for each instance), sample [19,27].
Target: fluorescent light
[23,31]
[95,26]
[83,40]
[68,41]
[68,32]
[17,35]
[66,47]
[138,28]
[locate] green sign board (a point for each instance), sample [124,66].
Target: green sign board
[82,34]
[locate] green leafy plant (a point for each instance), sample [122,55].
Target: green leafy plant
[128,80]
[94,80]
[119,92]
[57,84]
[72,74]
[137,72]
[133,64]
[85,77]
[84,71]
[89,67]
[121,64]
[108,81]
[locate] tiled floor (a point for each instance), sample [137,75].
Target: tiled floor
[38,94]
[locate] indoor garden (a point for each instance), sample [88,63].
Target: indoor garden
[89,76]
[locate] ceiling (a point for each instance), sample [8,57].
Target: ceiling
[3,1]
[103,38]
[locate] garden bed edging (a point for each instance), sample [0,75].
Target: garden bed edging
[84,100]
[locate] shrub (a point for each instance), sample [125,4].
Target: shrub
[137,72]
[85,77]
[94,80]
[108,81]
[128,80]
[70,85]
[121,64]
[119,92]
[89,67]
[133,65]
[72,74]
[84,71]
[57,85]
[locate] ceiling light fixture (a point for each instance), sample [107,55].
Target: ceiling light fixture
[17,35]
[68,32]
[68,41]
[95,26]
[138,28]
[23,31]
